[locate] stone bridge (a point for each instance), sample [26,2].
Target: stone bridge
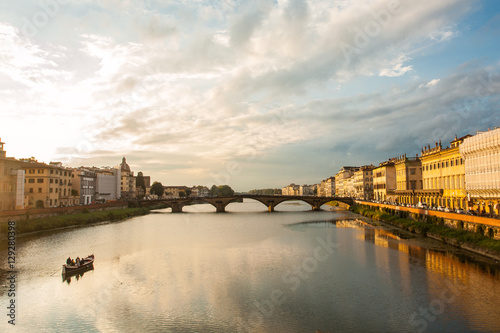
[220,203]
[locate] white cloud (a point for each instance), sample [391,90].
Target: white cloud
[173,82]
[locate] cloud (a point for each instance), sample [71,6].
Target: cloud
[193,86]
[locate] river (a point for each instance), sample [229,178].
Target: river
[247,270]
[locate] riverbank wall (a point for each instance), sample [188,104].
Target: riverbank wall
[26,214]
[475,237]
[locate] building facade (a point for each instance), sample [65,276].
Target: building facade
[384,182]
[291,189]
[48,185]
[363,182]
[128,181]
[443,176]
[481,154]
[108,184]
[11,182]
[408,179]
[346,172]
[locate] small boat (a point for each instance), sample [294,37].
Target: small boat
[85,264]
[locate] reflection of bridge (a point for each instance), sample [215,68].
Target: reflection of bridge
[220,203]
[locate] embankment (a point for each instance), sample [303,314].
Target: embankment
[472,241]
[79,218]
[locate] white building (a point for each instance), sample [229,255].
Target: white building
[108,184]
[481,154]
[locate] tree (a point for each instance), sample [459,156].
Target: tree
[157,189]
[214,191]
[221,191]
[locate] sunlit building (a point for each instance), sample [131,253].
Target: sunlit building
[175,191]
[341,188]
[481,154]
[363,182]
[291,189]
[443,175]
[11,182]
[48,185]
[408,178]
[327,187]
[384,181]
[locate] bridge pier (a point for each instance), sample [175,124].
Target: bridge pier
[270,206]
[220,207]
[176,208]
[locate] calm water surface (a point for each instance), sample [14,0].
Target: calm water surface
[250,271]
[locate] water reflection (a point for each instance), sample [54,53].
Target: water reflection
[66,277]
[252,272]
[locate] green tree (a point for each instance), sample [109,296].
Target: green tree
[225,191]
[221,191]
[214,191]
[157,189]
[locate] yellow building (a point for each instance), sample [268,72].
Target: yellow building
[481,153]
[47,185]
[344,186]
[443,175]
[128,182]
[408,178]
[384,182]
[11,182]
[363,182]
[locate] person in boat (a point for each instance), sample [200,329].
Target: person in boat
[72,262]
[68,261]
[78,261]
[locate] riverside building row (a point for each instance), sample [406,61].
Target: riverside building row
[465,175]
[27,183]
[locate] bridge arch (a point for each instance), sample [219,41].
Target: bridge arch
[270,201]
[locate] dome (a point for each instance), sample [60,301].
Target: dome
[124,165]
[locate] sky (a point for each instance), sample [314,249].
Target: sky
[253,94]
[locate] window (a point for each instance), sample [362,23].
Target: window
[57,181]
[31,190]
[51,172]
[412,171]
[51,190]
[447,164]
[40,170]
[451,162]
[31,180]
[39,180]
[39,190]
[51,181]
[56,189]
